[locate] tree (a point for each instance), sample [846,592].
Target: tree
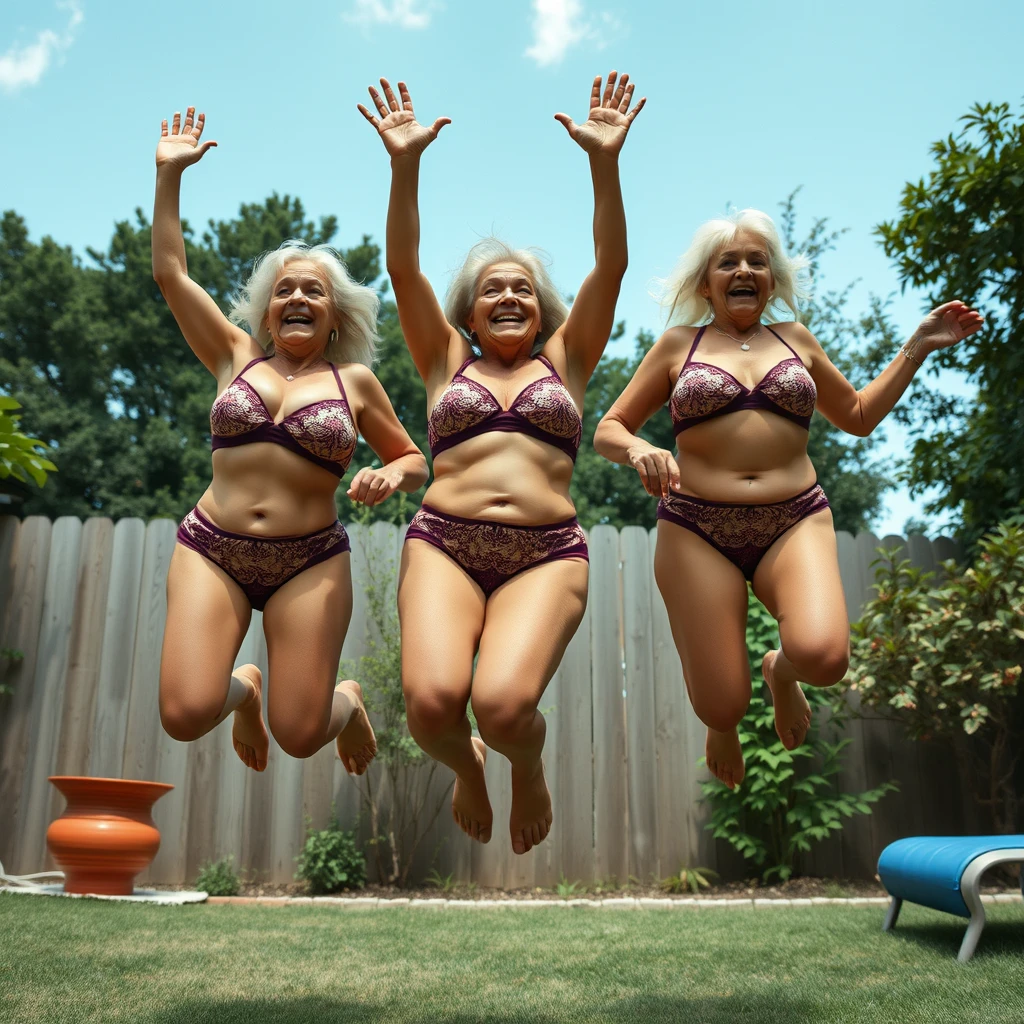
[960,234]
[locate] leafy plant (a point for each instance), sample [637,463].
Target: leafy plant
[331,860]
[20,456]
[688,880]
[219,878]
[788,800]
[446,883]
[566,889]
[943,657]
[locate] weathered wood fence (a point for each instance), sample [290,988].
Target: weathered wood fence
[84,603]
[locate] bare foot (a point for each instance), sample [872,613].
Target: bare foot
[530,820]
[248,733]
[724,757]
[792,712]
[471,808]
[357,746]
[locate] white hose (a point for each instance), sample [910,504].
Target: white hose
[25,881]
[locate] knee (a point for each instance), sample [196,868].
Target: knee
[430,711]
[819,664]
[186,720]
[506,721]
[719,708]
[298,740]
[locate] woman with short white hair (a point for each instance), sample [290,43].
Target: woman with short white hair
[739,499]
[506,367]
[295,390]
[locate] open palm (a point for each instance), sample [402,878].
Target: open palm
[605,128]
[949,323]
[180,146]
[397,126]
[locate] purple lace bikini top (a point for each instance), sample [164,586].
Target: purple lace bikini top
[544,409]
[704,391]
[322,432]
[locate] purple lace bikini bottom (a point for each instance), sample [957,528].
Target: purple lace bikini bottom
[260,565]
[743,533]
[492,553]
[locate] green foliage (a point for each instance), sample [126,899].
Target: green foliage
[788,800]
[219,878]
[960,234]
[446,883]
[689,880]
[566,889]
[943,655]
[11,657]
[20,456]
[331,860]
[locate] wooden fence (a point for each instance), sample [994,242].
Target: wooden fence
[84,603]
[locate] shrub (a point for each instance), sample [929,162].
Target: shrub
[788,800]
[331,861]
[218,878]
[943,656]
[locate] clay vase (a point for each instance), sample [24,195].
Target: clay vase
[106,836]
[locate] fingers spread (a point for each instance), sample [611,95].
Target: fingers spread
[595,92]
[636,110]
[369,117]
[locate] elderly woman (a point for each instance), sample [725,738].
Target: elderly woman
[294,392]
[739,501]
[497,541]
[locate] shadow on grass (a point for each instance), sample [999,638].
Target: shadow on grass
[1000,938]
[759,1008]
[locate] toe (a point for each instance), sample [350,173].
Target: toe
[519,843]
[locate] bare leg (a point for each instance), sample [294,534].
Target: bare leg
[706,599]
[798,582]
[305,623]
[207,616]
[437,672]
[530,621]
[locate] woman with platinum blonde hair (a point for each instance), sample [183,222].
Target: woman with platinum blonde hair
[294,393]
[739,499]
[506,368]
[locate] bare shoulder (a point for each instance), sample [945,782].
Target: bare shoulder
[803,342]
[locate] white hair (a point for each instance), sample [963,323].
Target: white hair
[461,294]
[680,293]
[355,305]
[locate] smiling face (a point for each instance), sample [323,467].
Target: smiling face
[301,314]
[506,310]
[739,280]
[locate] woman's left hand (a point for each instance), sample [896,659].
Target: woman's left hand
[372,486]
[947,324]
[604,130]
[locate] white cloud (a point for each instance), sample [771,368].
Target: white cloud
[411,14]
[26,65]
[559,25]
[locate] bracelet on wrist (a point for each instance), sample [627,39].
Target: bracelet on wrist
[912,358]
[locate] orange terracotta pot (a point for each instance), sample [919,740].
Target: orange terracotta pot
[106,836]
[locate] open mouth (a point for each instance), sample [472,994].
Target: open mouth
[743,292]
[297,318]
[508,318]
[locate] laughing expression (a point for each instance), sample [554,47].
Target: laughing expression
[506,310]
[301,314]
[739,280]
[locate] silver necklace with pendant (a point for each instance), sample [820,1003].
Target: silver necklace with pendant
[744,344]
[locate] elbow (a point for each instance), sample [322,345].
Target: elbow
[416,474]
[601,439]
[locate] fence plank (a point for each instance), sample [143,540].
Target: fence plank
[611,846]
[257,814]
[21,626]
[48,689]
[113,689]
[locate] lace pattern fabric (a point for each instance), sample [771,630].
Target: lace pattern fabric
[742,533]
[492,553]
[260,565]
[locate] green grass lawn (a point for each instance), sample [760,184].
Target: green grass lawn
[83,960]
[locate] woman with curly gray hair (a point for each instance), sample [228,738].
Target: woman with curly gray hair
[506,367]
[294,392]
[739,500]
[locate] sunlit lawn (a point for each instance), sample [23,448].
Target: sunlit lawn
[82,960]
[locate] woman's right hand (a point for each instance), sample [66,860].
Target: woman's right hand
[657,467]
[180,147]
[401,133]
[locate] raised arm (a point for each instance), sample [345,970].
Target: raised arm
[427,333]
[586,332]
[617,435]
[207,330]
[859,412]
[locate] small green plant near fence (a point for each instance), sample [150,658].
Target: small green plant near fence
[331,860]
[219,878]
[20,456]
[566,889]
[8,657]
[689,880]
[446,883]
[942,656]
[788,800]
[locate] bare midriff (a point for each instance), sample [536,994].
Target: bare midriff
[264,490]
[503,477]
[751,456]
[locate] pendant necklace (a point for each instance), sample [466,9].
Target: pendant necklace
[743,344]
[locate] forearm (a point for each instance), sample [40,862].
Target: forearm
[168,243]
[610,252]
[403,227]
[413,470]
[615,442]
[878,398]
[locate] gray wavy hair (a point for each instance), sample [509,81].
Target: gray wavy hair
[461,294]
[356,305]
[679,294]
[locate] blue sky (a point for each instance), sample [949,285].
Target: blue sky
[746,101]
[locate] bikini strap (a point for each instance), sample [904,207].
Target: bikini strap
[784,342]
[693,347]
[551,366]
[341,387]
[471,359]
[258,359]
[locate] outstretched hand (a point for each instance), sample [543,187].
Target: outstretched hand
[605,128]
[947,324]
[399,130]
[180,146]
